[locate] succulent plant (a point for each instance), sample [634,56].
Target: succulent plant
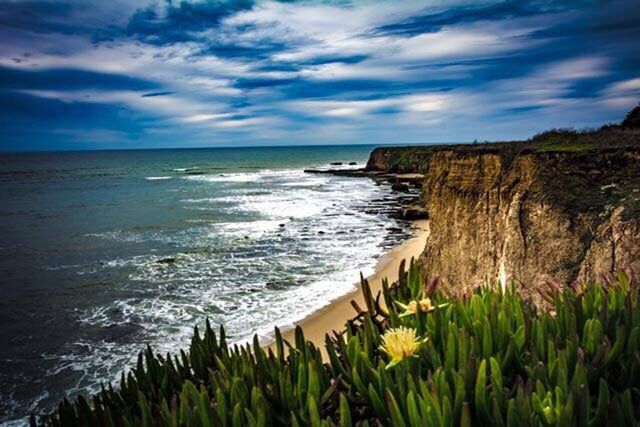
[491,358]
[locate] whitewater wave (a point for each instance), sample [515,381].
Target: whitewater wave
[239,248]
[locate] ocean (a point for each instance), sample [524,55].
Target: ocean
[102,253]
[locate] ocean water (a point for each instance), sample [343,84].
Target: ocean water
[102,253]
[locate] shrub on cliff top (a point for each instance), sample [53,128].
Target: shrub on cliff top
[632,119]
[422,358]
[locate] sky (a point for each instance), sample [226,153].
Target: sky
[95,74]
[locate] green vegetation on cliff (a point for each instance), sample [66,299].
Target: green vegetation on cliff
[486,358]
[607,138]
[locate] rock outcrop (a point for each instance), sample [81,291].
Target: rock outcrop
[413,212]
[564,205]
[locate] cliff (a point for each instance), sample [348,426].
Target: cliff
[563,204]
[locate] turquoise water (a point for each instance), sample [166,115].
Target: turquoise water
[102,253]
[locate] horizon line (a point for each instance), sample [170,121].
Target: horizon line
[90,150]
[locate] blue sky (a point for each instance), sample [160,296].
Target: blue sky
[151,74]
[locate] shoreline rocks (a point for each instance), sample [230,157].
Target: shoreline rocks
[400,186]
[413,212]
[405,205]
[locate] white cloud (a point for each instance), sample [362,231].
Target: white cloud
[197,118]
[167,105]
[458,42]
[624,87]
[240,123]
[426,103]
[623,94]
[577,68]
[548,85]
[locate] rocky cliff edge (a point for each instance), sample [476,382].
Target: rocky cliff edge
[564,205]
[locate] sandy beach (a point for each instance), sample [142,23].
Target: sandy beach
[335,315]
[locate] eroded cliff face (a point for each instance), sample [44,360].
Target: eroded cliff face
[525,214]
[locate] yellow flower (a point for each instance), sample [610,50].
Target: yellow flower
[412,307]
[425,305]
[399,343]
[409,309]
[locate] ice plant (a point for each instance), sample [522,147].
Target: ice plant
[492,359]
[399,343]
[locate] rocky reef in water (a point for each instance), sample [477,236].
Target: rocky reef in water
[564,204]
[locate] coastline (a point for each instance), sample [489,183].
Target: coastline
[335,314]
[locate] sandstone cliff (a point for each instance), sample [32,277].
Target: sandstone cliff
[564,204]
